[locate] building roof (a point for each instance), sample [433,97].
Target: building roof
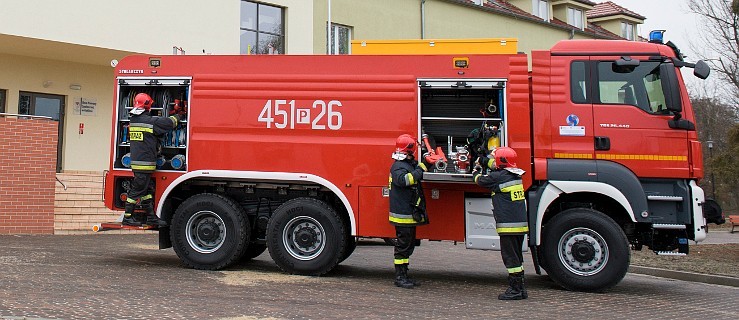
[609,8]
[586,2]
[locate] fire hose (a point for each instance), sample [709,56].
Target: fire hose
[436,157]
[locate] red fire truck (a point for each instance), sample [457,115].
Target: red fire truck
[292,153]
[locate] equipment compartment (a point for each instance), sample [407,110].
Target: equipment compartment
[165,93]
[465,119]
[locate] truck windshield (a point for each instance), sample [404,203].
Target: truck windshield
[641,88]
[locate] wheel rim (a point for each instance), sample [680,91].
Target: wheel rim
[206,231]
[583,251]
[304,238]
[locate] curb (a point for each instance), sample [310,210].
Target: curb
[686,276]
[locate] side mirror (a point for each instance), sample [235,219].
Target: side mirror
[702,70]
[625,65]
[670,87]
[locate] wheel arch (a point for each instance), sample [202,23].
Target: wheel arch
[557,196]
[165,207]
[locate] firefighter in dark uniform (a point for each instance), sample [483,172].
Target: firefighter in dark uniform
[144,133]
[407,205]
[509,210]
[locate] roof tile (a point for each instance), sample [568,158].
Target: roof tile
[609,8]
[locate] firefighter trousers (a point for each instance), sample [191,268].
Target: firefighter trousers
[142,189]
[404,244]
[512,252]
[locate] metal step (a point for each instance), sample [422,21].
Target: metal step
[670,253]
[665,198]
[668,226]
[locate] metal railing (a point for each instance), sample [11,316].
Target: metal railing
[24,116]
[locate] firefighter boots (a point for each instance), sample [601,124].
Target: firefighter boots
[129,217]
[151,218]
[415,282]
[401,277]
[515,289]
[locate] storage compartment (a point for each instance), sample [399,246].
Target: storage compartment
[465,119]
[165,93]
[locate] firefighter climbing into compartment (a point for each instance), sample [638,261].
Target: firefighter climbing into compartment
[144,133]
[407,205]
[509,210]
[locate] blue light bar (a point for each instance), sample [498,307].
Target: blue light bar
[656,36]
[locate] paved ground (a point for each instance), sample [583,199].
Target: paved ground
[126,277]
[720,236]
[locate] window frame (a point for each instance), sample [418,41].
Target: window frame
[261,33]
[576,13]
[335,28]
[627,30]
[3,100]
[536,6]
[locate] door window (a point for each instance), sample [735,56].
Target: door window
[47,105]
[641,88]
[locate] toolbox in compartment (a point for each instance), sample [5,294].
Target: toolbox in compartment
[166,93]
[460,121]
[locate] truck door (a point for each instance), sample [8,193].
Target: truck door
[571,117]
[631,120]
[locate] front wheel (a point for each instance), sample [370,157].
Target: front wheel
[209,231]
[585,250]
[306,236]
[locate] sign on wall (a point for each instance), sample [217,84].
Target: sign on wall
[85,106]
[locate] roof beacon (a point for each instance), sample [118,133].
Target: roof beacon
[656,36]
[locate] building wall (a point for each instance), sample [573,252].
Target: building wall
[87,151]
[27,169]
[148,26]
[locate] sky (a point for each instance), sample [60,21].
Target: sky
[682,26]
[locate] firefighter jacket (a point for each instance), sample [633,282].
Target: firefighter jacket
[143,132]
[407,204]
[509,203]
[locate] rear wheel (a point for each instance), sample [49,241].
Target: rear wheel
[585,250]
[209,231]
[306,236]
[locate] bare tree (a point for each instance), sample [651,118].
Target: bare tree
[721,41]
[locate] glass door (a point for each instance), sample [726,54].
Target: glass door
[47,105]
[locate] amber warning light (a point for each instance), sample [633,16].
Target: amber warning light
[461,63]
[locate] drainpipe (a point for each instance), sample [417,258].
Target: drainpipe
[423,19]
[328,29]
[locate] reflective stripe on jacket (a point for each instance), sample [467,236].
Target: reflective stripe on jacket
[509,203]
[143,132]
[405,192]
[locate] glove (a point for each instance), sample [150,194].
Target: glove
[476,170]
[422,166]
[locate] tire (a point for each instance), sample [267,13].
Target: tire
[306,236]
[351,244]
[209,232]
[253,250]
[602,256]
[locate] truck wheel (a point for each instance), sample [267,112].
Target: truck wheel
[253,250]
[306,236]
[585,250]
[351,244]
[209,231]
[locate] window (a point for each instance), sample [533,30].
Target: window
[3,94]
[341,37]
[574,18]
[262,29]
[627,30]
[541,9]
[578,87]
[641,87]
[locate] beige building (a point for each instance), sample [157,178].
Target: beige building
[55,56]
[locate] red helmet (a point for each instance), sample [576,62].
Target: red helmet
[505,157]
[405,144]
[143,100]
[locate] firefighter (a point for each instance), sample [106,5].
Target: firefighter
[407,205]
[144,133]
[509,210]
